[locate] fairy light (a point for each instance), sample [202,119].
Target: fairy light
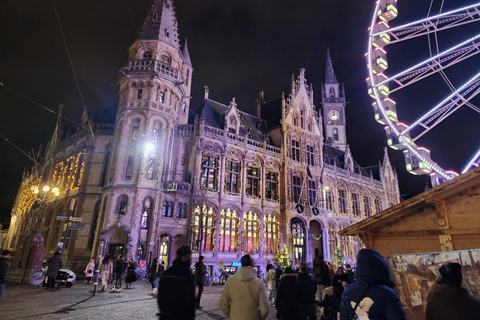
[471,162]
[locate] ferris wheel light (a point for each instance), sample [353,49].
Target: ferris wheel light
[471,162]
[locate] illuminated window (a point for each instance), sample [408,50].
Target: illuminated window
[228,231]
[271,188]
[135,133]
[345,244]
[203,228]
[151,168]
[310,156]
[144,222]
[209,173]
[296,188]
[156,132]
[182,210]
[367,207]
[356,204]
[329,201]
[378,205]
[183,160]
[298,235]
[163,252]
[251,225]
[232,178]
[332,238]
[161,96]
[295,150]
[253,181]
[129,168]
[342,201]
[270,234]
[123,205]
[312,192]
[167,209]
[165,58]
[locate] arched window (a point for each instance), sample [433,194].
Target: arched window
[335,134]
[165,58]
[147,55]
[295,121]
[228,230]
[147,209]
[203,228]
[302,119]
[298,234]
[332,92]
[270,234]
[251,225]
[163,254]
[167,209]
[345,244]
[332,239]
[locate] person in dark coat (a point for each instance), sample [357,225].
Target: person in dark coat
[54,264]
[339,282]
[288,296]
[269,266]
[120,267]
[3,269]
[278,274]
[350,274]
[448,299]
[176,291]
[200,272]
[379,301]
[131,276]
[153,272]
[320,272]
[309,288]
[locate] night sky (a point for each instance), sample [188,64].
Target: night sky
[237,48]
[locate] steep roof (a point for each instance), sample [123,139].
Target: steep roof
[161,23]
[336,157]
[329,73]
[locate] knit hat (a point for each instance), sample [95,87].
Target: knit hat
[183,251]
[288,270]
[451,273]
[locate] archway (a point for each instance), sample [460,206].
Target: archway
[116,243]
[316,240]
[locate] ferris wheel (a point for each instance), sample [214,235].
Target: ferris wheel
[401,136]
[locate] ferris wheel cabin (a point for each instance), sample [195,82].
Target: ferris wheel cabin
[388,10]
[415,164]
[382,38]
[393,140]
[390,107]
[383,89]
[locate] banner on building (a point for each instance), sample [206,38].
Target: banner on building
[415,274]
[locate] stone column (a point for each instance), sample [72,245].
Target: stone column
[326,247]
[307,244]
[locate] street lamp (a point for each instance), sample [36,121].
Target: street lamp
[47,194]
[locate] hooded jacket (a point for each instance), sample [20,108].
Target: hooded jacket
[244,296]
[447,302]
[380,301]
[289,294]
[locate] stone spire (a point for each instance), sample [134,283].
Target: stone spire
[330,74]
[161,24]
[186,55]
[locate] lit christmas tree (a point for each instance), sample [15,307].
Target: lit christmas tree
[283,258]
[339,256]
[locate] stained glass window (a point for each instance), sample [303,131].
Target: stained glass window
[228,230]
[232,177]
[253,181]
[270,234]
[251,227]
[209,173]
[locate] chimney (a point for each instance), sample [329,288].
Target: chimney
[259,101]
[205,92]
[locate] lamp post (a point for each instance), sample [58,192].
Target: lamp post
[46,194]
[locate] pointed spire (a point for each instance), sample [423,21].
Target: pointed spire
[186,55]
[329,73]
[161,23]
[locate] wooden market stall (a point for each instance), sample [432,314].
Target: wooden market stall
[445,218]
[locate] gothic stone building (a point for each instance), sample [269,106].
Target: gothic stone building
[223,181]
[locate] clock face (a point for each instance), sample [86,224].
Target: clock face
[333,114]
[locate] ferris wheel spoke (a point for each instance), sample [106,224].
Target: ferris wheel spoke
[474,162]
[441,111]
[434,23]
[439,62]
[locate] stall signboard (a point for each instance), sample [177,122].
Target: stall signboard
[220,265]
[415,274]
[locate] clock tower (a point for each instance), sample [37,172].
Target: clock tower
[333,102]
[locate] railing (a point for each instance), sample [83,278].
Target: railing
[174,186]
[154,66]
[351,175]
[213,132]
[185,130]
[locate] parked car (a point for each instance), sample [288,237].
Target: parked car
[65,277]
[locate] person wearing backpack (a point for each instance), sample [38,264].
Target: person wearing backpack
[371,295]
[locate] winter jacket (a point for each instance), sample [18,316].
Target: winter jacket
[120,266]
[107,267]
[270,279]
[309,287]
[350,276]
[200,272]
[337,284]
[244,297]
[451,302]
[54,264]
[278,274]
[320,272]
[3,269]
[288,297]
[176,292]
[380,301]
[89,270]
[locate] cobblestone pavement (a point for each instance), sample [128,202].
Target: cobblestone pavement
[77,302]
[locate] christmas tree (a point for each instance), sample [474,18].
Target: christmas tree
[283,258]
[339,256]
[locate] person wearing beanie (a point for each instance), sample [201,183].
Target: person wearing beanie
[372,291]
[176,290]
[243,296]
[288,303]
[448,299]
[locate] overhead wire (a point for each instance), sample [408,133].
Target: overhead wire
[18,148]
[73,68]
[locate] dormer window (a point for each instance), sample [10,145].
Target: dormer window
[155,16]
[147,55]
[302,122]
[335,134]
[167,33]
[295,121]
[332,92]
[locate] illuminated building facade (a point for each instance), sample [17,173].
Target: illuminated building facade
[223,181]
